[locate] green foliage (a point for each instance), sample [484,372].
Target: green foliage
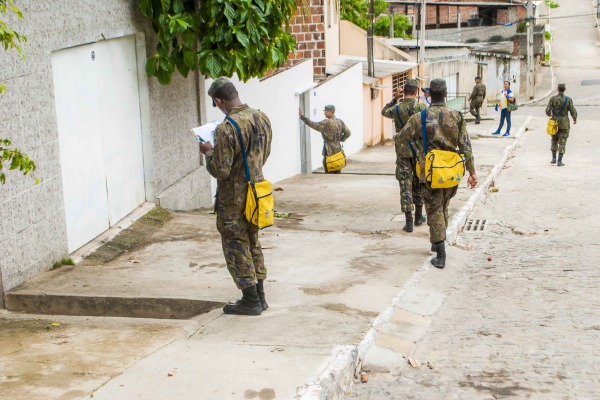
[552,4]
[401,25]
[357,11]
[64,261]
[522,27]
[10,39]
[240,37]
[547,35]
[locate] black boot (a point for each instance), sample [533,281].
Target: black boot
[249,304]
[553,158]
[408,227]
[477,120]
[439,261]
[260,289]
[419,217]
[560,163]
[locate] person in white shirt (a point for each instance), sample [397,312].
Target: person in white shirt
[506,97]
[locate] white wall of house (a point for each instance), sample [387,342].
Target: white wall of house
[345,92]
[501,68]
[332,31]
[276,96]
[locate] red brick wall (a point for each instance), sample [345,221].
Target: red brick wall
[310,38]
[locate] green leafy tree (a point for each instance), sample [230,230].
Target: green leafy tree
[357,11]
[401,25]
[219,37]
[11,40]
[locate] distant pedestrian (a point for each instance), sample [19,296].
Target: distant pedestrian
[445,130]
[425,97]
[476,99]
[333,130]
[559,107]
[242,250]
[410,185]
[506,97]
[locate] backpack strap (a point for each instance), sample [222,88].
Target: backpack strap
[424,130]
[239,133]
[398,114]
[563,107]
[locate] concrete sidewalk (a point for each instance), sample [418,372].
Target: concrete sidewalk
[335,265]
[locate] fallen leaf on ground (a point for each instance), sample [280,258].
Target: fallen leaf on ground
[364,378]
[170,373]
[495,189]
[414,363]
[55,324]
[430,365]
[134,261]
[277,349]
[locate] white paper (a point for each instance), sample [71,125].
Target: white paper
[206,132]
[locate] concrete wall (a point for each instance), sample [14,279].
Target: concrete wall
[332,31]
[33,233]
[353,42]
[345,92]
[500,69]
[276,96]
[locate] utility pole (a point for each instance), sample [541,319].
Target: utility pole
[370,63]
[391,21]
[530,64]
[423,22]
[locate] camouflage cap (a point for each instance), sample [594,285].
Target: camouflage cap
[562,86]
[477,77]
[438,86]
[412,82]
[329,107]
[218,84]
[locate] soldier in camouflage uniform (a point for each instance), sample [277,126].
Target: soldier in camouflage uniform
[446,130]
[476,99]
[559,140]
[410,186]
[332,129]
[239,238]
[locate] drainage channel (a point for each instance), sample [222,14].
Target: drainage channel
[475,225]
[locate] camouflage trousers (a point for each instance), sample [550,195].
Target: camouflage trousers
[242,251]
[436,206]
[410,186]
[475,111]
[559,141]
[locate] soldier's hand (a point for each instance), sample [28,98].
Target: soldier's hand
[472,181]
[574,122]
[204,147]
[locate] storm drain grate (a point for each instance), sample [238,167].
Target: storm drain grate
[475,225]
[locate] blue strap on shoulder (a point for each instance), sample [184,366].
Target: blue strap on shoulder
[398,114]
[424,130]
[563,107]
[239,133]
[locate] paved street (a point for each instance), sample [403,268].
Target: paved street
[521,318]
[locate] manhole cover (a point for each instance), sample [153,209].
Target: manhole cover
[475,225]
[590,82]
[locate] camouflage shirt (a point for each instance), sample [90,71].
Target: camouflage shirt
[401,113]
[554,106]
[446,130]
[477,95]
[333,130]
[227,164]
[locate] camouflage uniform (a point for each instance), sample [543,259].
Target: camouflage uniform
[476,100]
[559,140]
[333,130]
[410,188]
[446,130]
[241,247]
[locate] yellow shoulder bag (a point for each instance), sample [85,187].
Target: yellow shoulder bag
[552,127]
[444,169]
[260,205]
[335,162]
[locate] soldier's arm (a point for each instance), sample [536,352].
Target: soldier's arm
[473,93]
[407,135]
[549,108]
[317,126]
[572,110]
[218,164]
[345,132]
[464,146]
[268,134]
[388,109]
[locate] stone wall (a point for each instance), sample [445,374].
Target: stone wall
[33,227]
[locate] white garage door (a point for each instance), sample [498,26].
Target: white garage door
[99,127]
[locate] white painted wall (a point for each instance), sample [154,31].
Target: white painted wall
[276,96]
[332,31]
[345,92]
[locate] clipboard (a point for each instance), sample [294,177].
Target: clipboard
[205,133]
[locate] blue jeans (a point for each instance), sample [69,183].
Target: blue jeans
[504,115]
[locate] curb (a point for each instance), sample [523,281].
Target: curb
[337,377]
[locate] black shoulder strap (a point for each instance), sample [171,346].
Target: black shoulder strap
[424,130]
[563,107]
[398,114]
